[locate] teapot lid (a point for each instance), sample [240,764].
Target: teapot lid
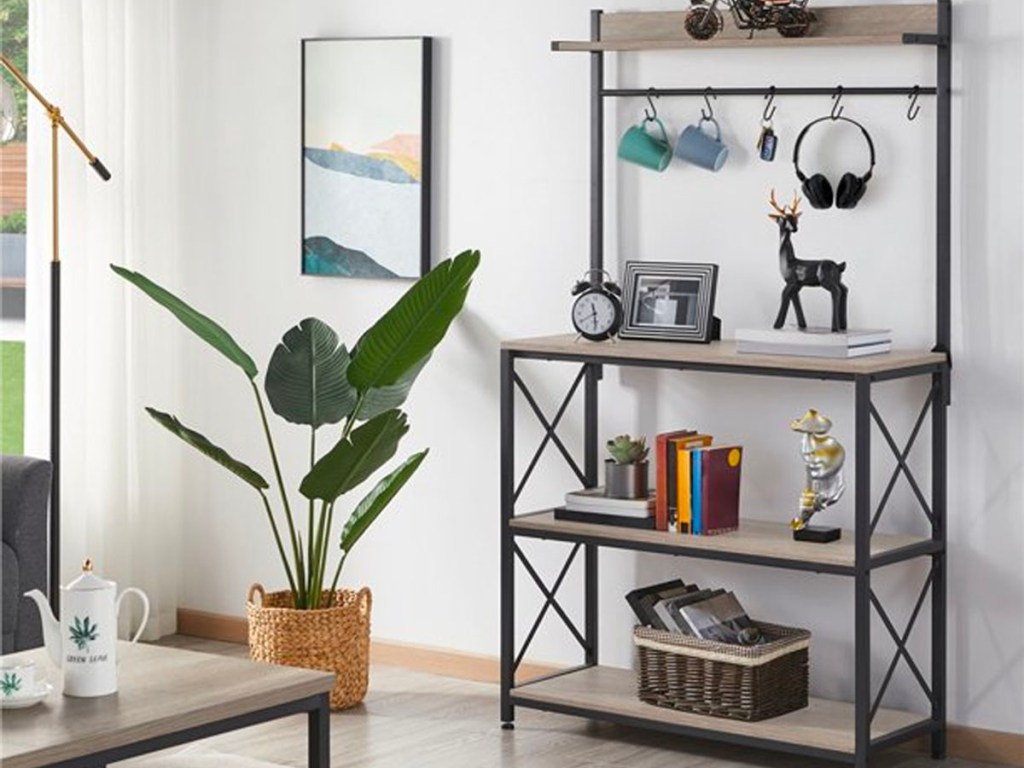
[88,579]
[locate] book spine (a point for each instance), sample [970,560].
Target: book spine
[685,514]
[661,483]
[696,484]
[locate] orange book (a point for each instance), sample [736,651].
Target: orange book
[683,485]
[661,484]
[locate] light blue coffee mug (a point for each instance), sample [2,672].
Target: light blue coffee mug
[697,147]
[644,148]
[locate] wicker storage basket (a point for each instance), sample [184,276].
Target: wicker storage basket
[723,680]
[335,639]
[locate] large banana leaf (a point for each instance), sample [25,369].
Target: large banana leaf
[380,399]
[417,322]
[204,446]
[306,381]
[198,323]
[376,500]
[355,457]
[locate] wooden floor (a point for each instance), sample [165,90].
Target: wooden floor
[417,720]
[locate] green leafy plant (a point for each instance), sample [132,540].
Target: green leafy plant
[626,450]
[10,684]
[14,223]
[84,632]
[313,380]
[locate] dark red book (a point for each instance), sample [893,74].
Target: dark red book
[661,464]
[720,488]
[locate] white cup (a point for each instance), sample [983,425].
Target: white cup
[17,679]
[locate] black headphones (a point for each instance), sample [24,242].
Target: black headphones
[608,284]
[818,189]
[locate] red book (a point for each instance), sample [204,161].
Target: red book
[661,459]
[720,488]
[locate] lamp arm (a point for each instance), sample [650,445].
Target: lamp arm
[56,117]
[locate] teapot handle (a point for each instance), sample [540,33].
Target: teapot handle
[145,609]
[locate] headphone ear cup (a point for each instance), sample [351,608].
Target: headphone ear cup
[818,191]
[851,190]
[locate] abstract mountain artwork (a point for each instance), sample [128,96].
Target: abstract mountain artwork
[366,157]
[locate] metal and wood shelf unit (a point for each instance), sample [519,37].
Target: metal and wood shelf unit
[848,732]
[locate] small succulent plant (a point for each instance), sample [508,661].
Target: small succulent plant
[626,450]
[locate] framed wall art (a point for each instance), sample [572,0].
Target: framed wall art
[670,301]
[366,157]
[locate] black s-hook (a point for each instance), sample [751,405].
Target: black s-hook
[708,95]
[837,111]
[651,114]
[914,109]
[769,108]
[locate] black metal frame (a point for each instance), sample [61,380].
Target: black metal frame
[866,703]
[317,707]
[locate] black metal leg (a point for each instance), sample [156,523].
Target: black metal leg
[507,555]
[939,570]
[320,734]
[590,468]
[862,578]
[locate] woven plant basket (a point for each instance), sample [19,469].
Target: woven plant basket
[335,639]
[723,680]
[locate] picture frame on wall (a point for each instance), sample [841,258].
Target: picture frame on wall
[670,301]
[366,157]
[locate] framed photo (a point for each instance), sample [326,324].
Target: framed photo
[670,301]
[366,157]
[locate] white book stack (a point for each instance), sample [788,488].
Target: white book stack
[594,501]
[812,342]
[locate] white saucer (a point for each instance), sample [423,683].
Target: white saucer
[42,691]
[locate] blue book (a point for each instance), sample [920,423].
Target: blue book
[696,524]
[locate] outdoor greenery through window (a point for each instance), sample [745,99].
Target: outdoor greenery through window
[13,187]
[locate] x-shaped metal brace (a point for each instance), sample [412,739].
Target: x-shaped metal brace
[549,429]
[901,645]
[550,601]
[901,459]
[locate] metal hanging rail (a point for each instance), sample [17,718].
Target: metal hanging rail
[778,91]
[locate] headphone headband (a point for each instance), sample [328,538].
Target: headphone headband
[800,140]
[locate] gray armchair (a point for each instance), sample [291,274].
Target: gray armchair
[24,498]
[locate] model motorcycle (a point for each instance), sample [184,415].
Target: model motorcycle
[790,17]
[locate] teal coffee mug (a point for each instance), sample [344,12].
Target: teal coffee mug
[651,150]
[697,147]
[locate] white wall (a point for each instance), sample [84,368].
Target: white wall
[512,180]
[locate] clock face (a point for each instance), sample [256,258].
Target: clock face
[596,315]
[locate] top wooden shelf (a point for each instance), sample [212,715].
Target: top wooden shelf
[846,25]
[722,356]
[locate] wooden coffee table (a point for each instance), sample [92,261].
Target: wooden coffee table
[166,697]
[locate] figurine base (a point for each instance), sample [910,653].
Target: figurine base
[819,534]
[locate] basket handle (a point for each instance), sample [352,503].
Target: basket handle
[255,588]
[365,600]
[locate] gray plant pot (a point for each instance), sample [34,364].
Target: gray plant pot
[625,481]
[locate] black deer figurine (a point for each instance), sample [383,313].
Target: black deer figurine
[799,273]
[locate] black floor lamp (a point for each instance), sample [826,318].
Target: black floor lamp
[8,125]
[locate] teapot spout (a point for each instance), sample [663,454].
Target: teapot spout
[51,627]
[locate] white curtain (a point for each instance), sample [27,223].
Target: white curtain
[109,65]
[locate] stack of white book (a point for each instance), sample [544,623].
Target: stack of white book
[812,342]
[590,505]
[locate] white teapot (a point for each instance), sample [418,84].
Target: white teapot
[84,642]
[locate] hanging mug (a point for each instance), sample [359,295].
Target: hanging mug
[650,150]
[697,147]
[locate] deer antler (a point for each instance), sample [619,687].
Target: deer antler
[775,205]
[796,204]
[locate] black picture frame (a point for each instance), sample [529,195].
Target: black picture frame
[670,301]
[426,149]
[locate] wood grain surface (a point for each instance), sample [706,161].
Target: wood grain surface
[823,724]
[851,25]
[161,691]
[718,353]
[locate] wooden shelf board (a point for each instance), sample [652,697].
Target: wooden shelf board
[824,724]
[848,25]
[755,538]
[718,353]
